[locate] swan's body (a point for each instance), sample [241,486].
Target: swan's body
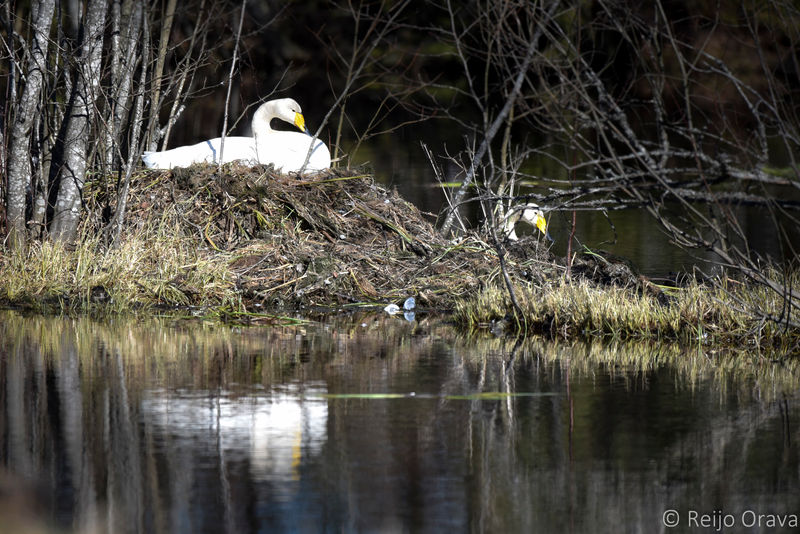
[236,149]
[285,150]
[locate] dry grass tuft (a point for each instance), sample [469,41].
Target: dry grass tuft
[695,313]
[150,269]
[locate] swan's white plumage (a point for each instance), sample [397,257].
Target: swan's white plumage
[236,148]
[285,150]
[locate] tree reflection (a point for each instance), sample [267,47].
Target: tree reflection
[192,427]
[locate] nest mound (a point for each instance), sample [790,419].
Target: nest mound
[327,240]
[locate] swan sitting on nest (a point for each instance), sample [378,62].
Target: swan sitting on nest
[285,150]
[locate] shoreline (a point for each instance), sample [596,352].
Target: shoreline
[249,245]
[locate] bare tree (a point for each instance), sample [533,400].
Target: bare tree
[124,60]
[79,123]
[230,83]
[114,227]
[363,71]
[493,128]
[19,166]
[79,109]
[689,169]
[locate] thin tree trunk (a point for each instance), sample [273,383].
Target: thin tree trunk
[114,227]
[39,211]
[350,65]
[122,76]
[178,103]
[166,29]
[230,85]
[11,89]
[487,140]
[76,141]
[19,163]
[2,153]
[116,61]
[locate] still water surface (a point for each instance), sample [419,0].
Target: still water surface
[374,424]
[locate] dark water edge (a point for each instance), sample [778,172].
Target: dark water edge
[371,423]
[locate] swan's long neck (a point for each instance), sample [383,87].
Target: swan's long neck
[262,118]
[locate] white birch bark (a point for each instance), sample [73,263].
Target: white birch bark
[19,163]
[76,141]
[125,44]
[114,227]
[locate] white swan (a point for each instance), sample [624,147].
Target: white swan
[285,150]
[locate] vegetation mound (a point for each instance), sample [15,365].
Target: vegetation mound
[248,242]
[248,239]
[333,239]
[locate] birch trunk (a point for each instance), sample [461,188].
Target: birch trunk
[113,100]
[124,51]
[76,141]
[19,163]
[114,227]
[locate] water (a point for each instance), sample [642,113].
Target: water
[375,424]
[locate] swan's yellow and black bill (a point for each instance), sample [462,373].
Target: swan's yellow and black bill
[541,224]
[300,122]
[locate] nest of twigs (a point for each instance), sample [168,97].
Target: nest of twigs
[331,239]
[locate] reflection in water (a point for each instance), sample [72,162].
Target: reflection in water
[272,433]
[191,427]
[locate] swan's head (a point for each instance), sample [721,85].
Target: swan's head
[531,214]
[535,217]
[287,109]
